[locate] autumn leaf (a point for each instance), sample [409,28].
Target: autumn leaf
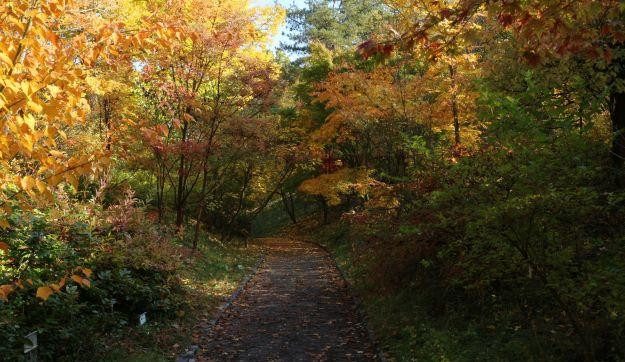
[44,292]
[41,186]
[56,153]
[5,59]
[532,58]
[72,180]
[5,290]
[35,107]
[77,278]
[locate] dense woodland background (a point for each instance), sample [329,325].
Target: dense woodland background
[463,160]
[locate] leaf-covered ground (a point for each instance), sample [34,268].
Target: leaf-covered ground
[296,308]
[208,278]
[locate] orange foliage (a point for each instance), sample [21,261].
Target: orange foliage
[388,94]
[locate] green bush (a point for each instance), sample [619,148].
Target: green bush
[516,248]
[48,247]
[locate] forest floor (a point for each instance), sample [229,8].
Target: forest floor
[209,277]
[296,308]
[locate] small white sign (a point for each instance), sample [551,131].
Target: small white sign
[31,345]
[143,318]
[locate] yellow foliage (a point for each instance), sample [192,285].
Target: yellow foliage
[361,98]
[332,186]
[41,88]
[46,73]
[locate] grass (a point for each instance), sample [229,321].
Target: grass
[208,278]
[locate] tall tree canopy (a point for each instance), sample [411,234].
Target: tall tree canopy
[335,24]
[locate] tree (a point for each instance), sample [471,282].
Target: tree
[44,70]
[338,25]
[590,30]
[47,56]
[197,95]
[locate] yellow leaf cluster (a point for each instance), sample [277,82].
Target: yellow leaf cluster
[46,73]
[360,99]
[332,186]
[44,292]
[41,92]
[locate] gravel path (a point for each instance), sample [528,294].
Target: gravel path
[296,308]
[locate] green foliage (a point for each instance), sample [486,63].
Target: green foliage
[335,24]
[514,251]
[48,248]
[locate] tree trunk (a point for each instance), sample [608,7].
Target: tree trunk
[247,178]
[324,208]
[454,104]
[292,202]
[289,205]
[198,222]
[106,112]
[617,115]
[179,215]
[201,203]
[160,192]
[181,179]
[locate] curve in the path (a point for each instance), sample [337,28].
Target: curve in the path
[296,308]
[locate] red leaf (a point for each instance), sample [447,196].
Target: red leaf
[446,13]
[366,49]
[619,36]
[505,19]
[532,58]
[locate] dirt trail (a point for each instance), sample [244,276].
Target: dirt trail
[296,308]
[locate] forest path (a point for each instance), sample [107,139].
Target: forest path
[296,308]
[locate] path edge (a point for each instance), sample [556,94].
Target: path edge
[189,354]
[377,346]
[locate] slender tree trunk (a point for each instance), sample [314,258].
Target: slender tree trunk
[181,180]
[198,222]
[287,171]
[617,115]
[289,205]
[454,104]
[160,193]
[292,202]
[247,178]
[106,112]
[201,203]
[324,208]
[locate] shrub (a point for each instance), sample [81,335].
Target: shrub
[51,248]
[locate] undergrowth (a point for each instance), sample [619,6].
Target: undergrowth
[98,288]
